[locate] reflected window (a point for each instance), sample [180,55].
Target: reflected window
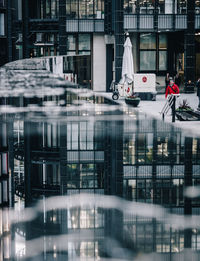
[51,137]
[85,218]
[80,136]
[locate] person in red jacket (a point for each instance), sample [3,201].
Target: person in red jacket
[172,88]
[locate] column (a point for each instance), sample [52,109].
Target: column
[189,44]
[62,28]
[119,36]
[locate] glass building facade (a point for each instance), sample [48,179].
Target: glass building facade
[85,27]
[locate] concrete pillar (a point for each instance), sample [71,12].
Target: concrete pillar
[99,63]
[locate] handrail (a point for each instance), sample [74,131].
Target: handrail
[171,100]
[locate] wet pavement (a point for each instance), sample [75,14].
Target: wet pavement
[154,109]
[85,178]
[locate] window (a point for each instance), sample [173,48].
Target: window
[71,44]
[146,7]
[2,25]
[197,6]
[169,6]
[153,52]
[84,44]
[85,9]
[49,9]
[99,9]
[162,52]
[78,44]
[2,3]
[182,6]
[130,6]
[147,52]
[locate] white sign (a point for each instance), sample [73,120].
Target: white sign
[145,82]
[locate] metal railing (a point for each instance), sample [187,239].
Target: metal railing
[170,103]
[172,22]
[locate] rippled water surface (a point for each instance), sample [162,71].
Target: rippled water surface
[84,178]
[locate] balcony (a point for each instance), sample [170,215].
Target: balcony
[146,22]
[84,25]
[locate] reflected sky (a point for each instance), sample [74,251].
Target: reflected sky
[84,178]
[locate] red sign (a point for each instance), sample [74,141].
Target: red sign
[144,79]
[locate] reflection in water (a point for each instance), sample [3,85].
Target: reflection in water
[82,178]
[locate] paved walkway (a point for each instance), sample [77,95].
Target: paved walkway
[154,108]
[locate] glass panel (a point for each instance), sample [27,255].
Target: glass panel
[146,7]
[1,3]
[169,6]
[68,9]
[162,60]
[54,9]
[82,9]
[130,6]
[161,6]
[2,27]
[90,11]
[197,6]
[42,9]
[84,42]
[74,9]
[74,136]
[147,60]
[162,41]
[99,9]
[147,41]
[19,9]
[182,6]
[71,43]
[48,8]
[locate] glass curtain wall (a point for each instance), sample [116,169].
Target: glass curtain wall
[164,6]
[44,9]
[85,9]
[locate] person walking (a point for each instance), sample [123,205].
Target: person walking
[172,88]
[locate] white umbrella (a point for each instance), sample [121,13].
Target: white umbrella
[127,63]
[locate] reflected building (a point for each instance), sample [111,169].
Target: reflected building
[4,169]
[75,142]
